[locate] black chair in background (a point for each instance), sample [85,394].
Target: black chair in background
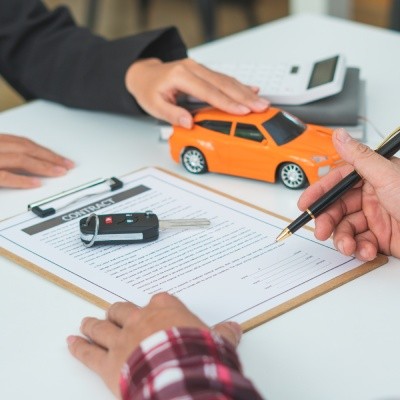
[207,10]
[92,13]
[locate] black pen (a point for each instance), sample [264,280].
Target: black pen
[388,148]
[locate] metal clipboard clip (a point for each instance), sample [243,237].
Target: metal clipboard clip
[113,184]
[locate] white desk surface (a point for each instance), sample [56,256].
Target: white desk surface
[343,345]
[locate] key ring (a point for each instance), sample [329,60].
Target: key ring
[96,229]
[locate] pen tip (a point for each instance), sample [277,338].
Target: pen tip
[283,235]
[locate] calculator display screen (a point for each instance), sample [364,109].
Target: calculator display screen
[323,72]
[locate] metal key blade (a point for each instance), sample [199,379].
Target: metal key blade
[183,223]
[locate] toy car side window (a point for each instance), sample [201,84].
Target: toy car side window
[217,126]
[249,131]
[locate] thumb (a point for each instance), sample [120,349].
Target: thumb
[368,164]
[173,114]
[230,330]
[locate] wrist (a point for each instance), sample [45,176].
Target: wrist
[136,69]
[157,355]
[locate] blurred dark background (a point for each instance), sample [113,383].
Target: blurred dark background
[198,20]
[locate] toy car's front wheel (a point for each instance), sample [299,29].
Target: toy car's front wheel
[194,161]
[292,176]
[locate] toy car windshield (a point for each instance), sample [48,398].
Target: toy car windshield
[284,127]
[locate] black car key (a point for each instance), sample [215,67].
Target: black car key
[129,227]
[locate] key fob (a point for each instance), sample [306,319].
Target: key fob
[119,228]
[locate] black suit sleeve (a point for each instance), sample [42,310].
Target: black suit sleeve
[43,54]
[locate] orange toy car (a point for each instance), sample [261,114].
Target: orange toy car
[269,146]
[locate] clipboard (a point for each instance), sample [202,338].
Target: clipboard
[36,207]
[250,323]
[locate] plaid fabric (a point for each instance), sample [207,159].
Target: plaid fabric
[185,364]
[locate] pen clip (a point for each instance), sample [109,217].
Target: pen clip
[36,208]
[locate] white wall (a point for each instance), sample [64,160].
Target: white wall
[339,8]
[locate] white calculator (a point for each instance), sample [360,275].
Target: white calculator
[290,82]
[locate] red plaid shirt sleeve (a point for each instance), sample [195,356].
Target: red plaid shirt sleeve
[185,364]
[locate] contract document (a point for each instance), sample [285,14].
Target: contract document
[232,270]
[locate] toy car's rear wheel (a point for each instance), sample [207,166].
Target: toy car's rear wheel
[292,176]
[194,161]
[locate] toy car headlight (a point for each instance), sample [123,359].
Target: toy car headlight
[318,159]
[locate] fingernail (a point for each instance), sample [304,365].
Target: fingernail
[340,246]
[237,330]
[35,182]
[59,170]
[243,109]
[71,339]
[68,163]
[261,104]
[83,323]
[255,89]
[365,255]
[185,122]
[342,136]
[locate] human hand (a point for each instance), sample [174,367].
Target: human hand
[110,342]
[366,220]
[156,86]
[20,157]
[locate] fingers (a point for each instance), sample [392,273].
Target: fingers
[324,226]
[20,156]
[156,86]
[346,232]
[31,165]
[108,345]
[88,353]
[165,311]
[164,299]
[20,145]
[315,191]
[102,332]
[381,174]
[172,113]
[119,313]
[230,331]
[363,246]
[242,94]
[185,81]
[353,236]
[367,162]
[326,223]
[15,181]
